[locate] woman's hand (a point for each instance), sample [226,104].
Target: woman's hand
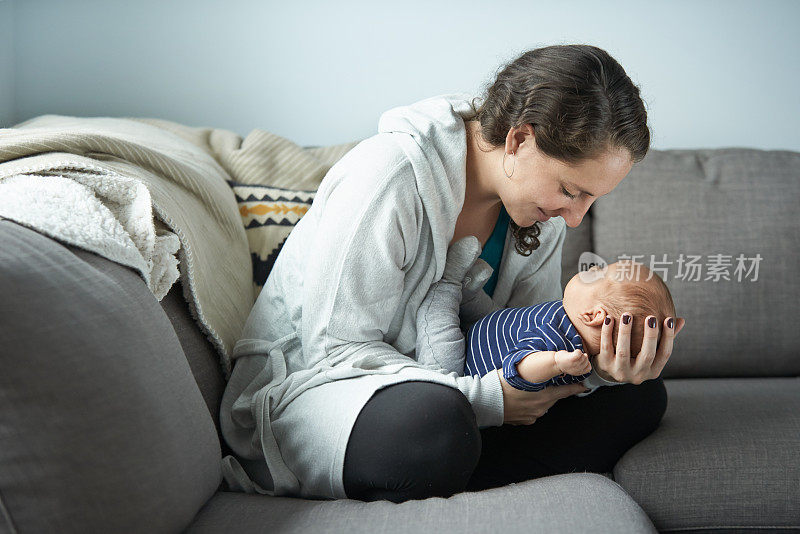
[650,361]
[525,407]
[464,267]
[461,256]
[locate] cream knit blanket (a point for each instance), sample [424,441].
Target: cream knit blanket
[138,191]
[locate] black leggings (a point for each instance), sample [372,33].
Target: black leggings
[416,440]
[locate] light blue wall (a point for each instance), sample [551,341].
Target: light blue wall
[713,74]
[7,105]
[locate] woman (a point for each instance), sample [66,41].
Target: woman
[327,398]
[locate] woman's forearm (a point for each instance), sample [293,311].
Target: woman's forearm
[440,342]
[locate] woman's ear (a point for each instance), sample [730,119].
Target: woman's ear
[520,138]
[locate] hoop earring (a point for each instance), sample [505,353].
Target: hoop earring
[504,164]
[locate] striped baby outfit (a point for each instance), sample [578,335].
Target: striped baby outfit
[504,337]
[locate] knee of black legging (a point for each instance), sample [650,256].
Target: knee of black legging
[653,402]
[659,397]
[444,433]
[412,440]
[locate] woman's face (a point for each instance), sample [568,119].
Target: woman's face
[542,187]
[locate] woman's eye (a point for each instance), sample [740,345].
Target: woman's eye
[570,195]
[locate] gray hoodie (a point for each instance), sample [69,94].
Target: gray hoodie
[342,298]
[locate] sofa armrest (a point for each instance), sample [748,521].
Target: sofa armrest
[102,426]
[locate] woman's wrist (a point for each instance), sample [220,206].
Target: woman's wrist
[599,372]
[598,377]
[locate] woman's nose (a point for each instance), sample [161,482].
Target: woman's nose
[574,215]
[573,218]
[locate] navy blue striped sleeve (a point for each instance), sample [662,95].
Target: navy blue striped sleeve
[517,354]
[547,337]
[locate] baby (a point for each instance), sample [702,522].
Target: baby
[550,344]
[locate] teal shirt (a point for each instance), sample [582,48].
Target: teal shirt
[493,251]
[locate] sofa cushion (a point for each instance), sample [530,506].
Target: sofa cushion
[203,359]
[573,503]
[102,427]
[724,458]
[200,353]
[718,205]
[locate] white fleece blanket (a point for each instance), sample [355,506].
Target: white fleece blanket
[99,211]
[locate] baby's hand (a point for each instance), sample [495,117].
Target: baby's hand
[572,363]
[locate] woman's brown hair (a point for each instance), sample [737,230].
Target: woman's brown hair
[579,102]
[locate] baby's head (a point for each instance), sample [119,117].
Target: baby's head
[624,288]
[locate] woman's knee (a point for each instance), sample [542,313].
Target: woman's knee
[412,440]
[637,409]
[653,396]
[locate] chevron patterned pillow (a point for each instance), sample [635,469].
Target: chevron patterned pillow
[269,215]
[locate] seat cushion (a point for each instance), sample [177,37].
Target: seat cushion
[708,208]
[724,458]
[573,503]
[102,427]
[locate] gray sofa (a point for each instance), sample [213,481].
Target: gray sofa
[109,399]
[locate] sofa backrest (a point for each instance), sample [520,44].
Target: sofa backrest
[721,227]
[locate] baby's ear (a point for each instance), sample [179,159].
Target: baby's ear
[680,322]
[594,317]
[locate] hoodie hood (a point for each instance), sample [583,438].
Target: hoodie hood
[432,134]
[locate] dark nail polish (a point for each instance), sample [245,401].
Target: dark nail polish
[608,320]
[626,318]
[669,322]
[651,322]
